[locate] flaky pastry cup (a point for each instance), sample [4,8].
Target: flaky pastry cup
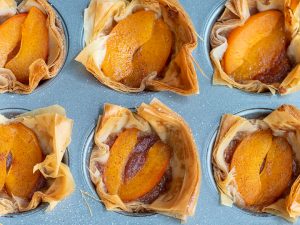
[180,199]
[39,70]
[236,14]
[284,122]
[53,130]
[179,75]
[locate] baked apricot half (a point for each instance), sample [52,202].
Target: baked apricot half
[256,162]
[263,176]
[257,49]
[32,46]
[25,153]
[149,173]
[145,160]
[139,45]
[254,48]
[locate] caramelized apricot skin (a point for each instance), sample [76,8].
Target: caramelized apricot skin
[125,39]
[26,153]
[34,45]
[148,177]
[152,56]
[257,50]
[263,168]
[11,33]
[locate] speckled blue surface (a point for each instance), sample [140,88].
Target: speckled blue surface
[83,97]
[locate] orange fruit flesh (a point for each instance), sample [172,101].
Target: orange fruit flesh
[6,143]
[277,170]
[247,165]
[148,175]
[263,166]
[125,38]
[257,50]
[294,4]
[138,45]
[152,56]
[11,33]
[119,154]
[34,45]
[19,179]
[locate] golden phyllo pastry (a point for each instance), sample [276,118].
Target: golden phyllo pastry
[145,161]
[32,147]
[256,162]
[32,45]
[136,45]
[255,46]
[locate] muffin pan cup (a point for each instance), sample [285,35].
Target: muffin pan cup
[83,97]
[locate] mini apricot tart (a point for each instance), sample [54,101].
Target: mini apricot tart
[145,161]
[143,44]
[32,146]
[32,45]
[256,162]
[255,47]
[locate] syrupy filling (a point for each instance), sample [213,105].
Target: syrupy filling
[138,157]
[111,140]
[40,184]
[135,163]
[160,188]
[277,72]
[230,150]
